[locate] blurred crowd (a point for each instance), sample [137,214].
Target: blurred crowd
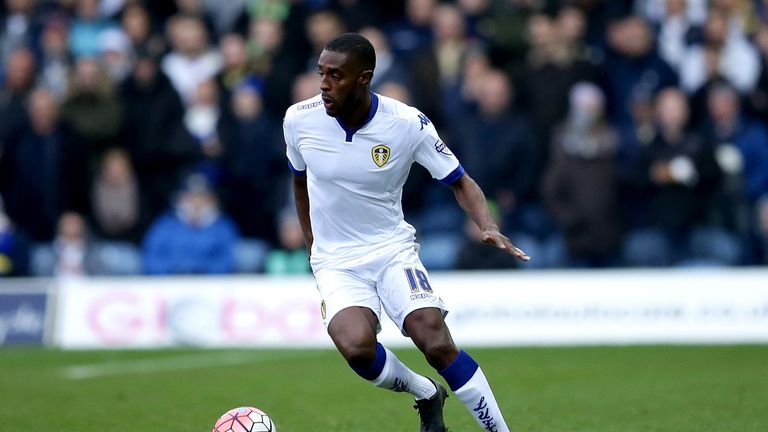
[144,137]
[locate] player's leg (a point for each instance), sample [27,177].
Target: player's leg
[353,331]
[429,333]
[351,309]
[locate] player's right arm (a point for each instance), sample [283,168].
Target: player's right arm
[299,169]
[301,197]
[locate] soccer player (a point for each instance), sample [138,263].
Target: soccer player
[350,151]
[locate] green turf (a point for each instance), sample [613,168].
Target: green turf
[590,389]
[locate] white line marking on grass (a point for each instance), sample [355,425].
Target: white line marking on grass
[173,363]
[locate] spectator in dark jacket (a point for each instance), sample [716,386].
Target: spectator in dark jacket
[496,145]
[255,163]
[581,184]
[741,146]
[42,172]
[633,65]
[678,175]
[18,80]
[553,66]
[153,132]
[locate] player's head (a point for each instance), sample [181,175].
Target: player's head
[346,69]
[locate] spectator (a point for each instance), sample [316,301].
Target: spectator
[677,30]
[679,176]
[388,67]
[637,133]
[255,163]
[434,69]
[116,204]
[504,30]
[191,60]
[305,86]
[137,25]
[19,79]
[194,8]
[42,172]
[16,28]
[86,29]
[657,11]
[74,252]
[153,132]
[556,62]
[202,120]
[275,62]
[117,54]
[732,56]
[192,238]
[55,60]
[13,248]
[413,32]
[758,99]
[633,65]
[71,254]
[581,184]
[223,15]
[236,68]
[741,149]
[474,69]
[321,27]
[730,129]
[496,145]
[291,255]
[92,110]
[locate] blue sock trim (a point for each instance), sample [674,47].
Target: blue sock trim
[461,370]
[374,370]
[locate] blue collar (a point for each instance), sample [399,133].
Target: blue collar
[371,113]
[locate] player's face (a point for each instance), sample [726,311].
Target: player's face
[342,83]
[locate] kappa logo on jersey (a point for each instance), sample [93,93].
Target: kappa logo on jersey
[380,154]
[424,120]
[322,309]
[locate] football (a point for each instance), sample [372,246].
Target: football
[245,419]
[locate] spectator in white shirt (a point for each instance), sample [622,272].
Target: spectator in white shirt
[192,60]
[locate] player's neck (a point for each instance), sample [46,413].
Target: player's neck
[357,114]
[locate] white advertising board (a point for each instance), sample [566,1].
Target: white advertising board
[486,309]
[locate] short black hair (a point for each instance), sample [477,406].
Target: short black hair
[358,48]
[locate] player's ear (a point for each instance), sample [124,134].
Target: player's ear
[365,77]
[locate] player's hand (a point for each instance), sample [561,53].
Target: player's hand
[495,238]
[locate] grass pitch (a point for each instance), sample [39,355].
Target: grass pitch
[589,389]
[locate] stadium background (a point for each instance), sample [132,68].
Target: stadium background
[623,145]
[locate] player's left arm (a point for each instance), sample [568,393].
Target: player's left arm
[472,199]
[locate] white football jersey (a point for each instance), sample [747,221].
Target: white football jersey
[355,177]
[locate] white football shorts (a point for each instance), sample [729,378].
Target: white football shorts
[392,277]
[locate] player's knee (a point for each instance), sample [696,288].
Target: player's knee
[358,352]
[425,324]
[440,352]
[431,336]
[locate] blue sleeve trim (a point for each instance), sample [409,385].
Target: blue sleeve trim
[454,176]
[295,171]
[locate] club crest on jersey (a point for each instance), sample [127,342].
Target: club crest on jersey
[380,154]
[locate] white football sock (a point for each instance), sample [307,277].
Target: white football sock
[397,377]
[477,396]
